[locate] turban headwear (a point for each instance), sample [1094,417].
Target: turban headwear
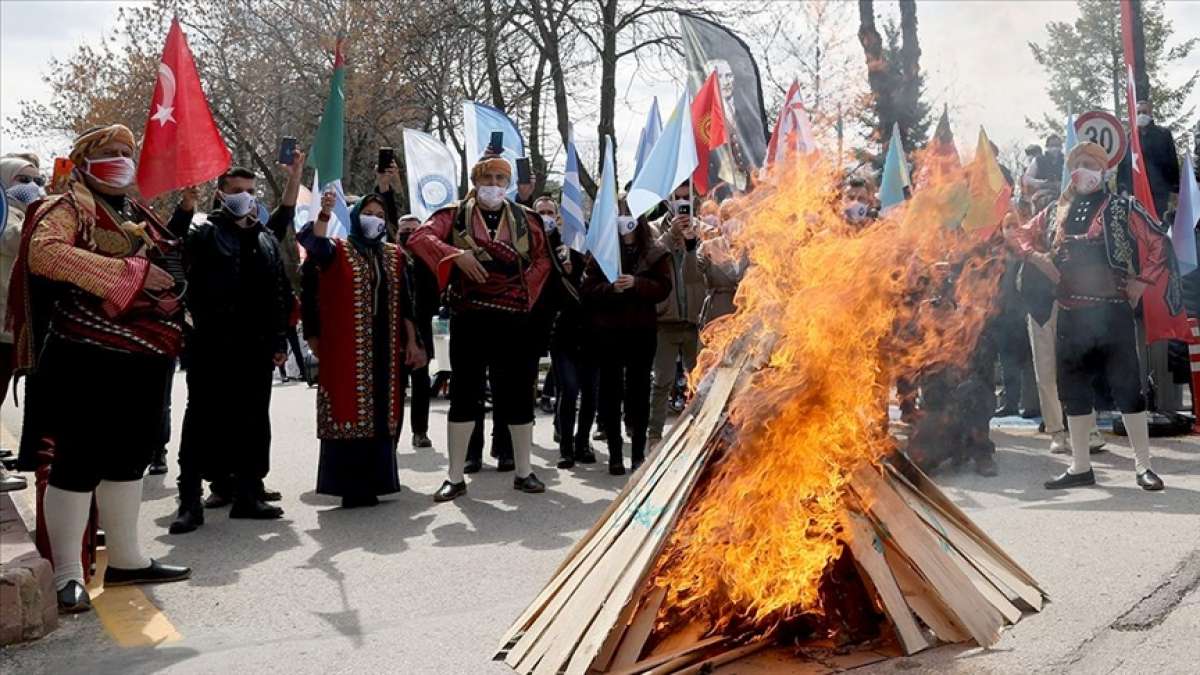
[490,164]
[90,140]
[1086,149]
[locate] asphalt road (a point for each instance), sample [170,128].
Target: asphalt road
[416,587]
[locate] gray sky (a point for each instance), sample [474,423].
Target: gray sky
[974,54]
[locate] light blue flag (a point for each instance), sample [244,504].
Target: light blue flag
[339,221]
[649,137]
[1071,140]
[602,240]
[670,163]
[895,173]
[574,233]
[1187,214]
[479,121]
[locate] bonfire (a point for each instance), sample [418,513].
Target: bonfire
[781,518]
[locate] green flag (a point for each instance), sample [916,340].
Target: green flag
[329,145]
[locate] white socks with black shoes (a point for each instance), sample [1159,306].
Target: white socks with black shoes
[1080,429]
[1137,426]
[119,503]
[459,437]
[522,442]
[66,514]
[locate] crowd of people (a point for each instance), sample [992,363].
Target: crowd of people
[104,299]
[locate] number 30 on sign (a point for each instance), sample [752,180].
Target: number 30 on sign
[1105,130]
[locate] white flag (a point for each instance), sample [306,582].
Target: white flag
[432,170]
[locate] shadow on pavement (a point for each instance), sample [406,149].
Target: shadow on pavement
[226,546]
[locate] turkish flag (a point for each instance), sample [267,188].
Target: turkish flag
[182,146]
[708,126]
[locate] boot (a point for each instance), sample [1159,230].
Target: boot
[566,452]
[191,509]
[158,466]
[249,504]
[616,460]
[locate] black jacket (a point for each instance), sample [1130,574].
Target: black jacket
[1162,165]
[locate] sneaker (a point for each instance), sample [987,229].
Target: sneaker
[1060,444]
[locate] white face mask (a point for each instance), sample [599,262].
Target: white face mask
[1086,181]
[372,226]
[24,193]
[1143,119]
[490,196]
[626,224]
[856,211]
[549,223]
[239,203]
[117,172]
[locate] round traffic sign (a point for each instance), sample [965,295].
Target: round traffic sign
[1105,130]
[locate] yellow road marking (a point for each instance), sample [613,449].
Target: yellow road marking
[125,612]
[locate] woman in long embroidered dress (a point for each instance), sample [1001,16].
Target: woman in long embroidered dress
[366,338]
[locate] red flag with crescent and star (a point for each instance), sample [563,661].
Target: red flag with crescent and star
[181,146]
[708,126]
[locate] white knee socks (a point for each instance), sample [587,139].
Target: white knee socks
[1138,429]
[522,440]
[1080,428]
[459,436]
[66,517]
[119,503]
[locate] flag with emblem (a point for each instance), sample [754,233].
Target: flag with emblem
[793,130]
[181,146]
[708,126]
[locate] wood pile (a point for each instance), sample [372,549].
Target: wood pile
[930,571]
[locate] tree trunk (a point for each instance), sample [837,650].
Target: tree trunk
[493,63]
[910,71]
[872,44]
[1140,78]
[549,36]
[608,77]
[537,159]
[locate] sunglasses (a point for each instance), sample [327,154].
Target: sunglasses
[41,182]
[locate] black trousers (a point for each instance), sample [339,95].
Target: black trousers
[102,410]
[293,339]
[226,435]
[483,342]
[1093,342]
[624,360]
[575,373]
[502,447]
[418,399]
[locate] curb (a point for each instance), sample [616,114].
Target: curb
[28,604]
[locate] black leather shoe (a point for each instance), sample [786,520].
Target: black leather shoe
[269,495]
[158,467]
[450,491]
[421,441]
[156,573]
[506,465]
[255,509]
[216,500]
[191,516]
[1070,480]
[1149,481]
[985,465]
[359,501]
[529,484]
[472,466]
[616,468]
[73,598]
[566,463]
[585,456]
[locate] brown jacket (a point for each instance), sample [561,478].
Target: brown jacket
[686,301]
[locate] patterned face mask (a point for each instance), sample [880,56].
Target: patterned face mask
[117,172]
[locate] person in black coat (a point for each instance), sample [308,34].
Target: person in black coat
[240,300]
[1161,159]
[423,288]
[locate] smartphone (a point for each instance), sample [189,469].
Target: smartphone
[62,171]
[523,173]
[386,157]
[287,150]
[684,210]
[496,145]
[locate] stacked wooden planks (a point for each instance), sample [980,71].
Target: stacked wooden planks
[931,571]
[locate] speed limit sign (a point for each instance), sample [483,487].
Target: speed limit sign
[1105,130]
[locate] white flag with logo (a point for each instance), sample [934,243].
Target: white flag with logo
[432,170]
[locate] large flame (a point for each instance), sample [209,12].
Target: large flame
[843,313]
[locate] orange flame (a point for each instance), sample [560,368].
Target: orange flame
[839,315]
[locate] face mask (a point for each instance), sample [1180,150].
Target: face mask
[403,237]
[856,212]
[626,224]
[549,223]
[116,172]
[372,226]
[1143,120]
[490,196]
[239,203]
[1086,181]
[24,193]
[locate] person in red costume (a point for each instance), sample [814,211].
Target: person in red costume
[1099,252]
[490,256]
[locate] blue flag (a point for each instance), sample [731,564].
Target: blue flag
[670,163]
[649,137]
[1071,141]
[895,173]
[603,241]
[479,121]
[1187,214]
[574,232]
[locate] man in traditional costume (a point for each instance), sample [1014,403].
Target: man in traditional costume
[240,300]
[1101,252]
[491,255]
[98,321]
